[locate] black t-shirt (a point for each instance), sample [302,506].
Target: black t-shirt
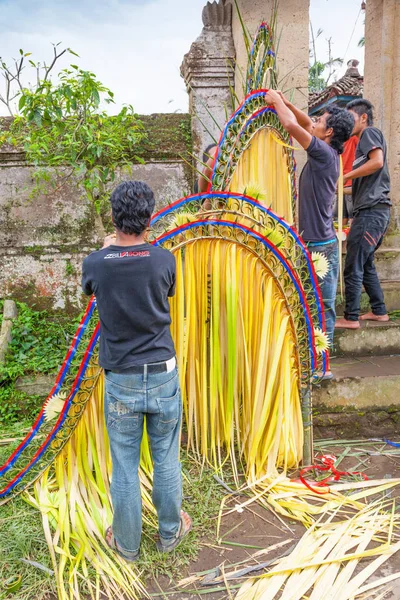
[132,285]
[372,189]
[317,187]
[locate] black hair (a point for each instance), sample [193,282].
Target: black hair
[361,106]
[132,204]
[206,153]
[342,123]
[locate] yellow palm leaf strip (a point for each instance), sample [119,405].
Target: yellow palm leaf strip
[269,392]
[205,392]
[321,545]
[285,439]
[354,585]
[215,350]
[185,323]
[331,577]
[231,312]
[378,583]
[259,395]
[194,270]
[190,376]
[180,308]
[276,417]
[334,582]
[244,382]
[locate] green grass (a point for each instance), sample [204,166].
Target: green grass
[21,536]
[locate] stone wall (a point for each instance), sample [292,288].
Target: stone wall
[44,239]
[292,51]
[382,85]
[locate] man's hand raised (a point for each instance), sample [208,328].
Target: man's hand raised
[272,96]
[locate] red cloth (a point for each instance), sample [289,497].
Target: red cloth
[349,155]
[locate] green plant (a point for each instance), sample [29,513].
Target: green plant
[62,124]
[39,343]
[15,404]
[316,80]
[69,268]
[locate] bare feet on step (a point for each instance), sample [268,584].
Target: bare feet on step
[371,317]
[345,324]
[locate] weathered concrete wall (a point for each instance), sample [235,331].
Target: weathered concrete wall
[44,239]
[293,50]
[382,82]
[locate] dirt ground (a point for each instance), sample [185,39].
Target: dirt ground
[258,528]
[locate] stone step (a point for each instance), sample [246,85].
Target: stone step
[374,339]
[362,400]
[391,290]
[387,262]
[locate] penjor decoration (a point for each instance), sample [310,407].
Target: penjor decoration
[245,320]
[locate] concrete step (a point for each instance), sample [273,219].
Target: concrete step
[374,339]
[362,399]
[391,290]
[387,262]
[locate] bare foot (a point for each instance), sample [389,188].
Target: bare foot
[371,317]
[345,324]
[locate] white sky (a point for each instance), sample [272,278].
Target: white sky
[135,47]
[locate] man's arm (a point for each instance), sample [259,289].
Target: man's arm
[302,118]
[172,289]
[288,119]
[375,162]
[86,282]
[205,178]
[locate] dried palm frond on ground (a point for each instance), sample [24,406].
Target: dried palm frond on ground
[323,563]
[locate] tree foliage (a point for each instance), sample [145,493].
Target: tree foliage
[320,73]
[62,123]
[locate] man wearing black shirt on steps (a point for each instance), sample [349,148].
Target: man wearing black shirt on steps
[132,281]
[323,141]
[371,187]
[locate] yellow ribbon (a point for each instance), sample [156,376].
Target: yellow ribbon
[278,141]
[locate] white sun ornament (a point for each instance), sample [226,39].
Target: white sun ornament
[321,264]
[321,340]
[54,406]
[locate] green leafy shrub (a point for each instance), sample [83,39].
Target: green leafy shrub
[39,342]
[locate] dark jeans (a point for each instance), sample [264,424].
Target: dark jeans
[366,235]
[328,284]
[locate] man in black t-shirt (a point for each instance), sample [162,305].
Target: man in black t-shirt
[132,281]
[323,141]
[371,201]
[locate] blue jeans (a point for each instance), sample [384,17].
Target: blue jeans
[129,397]
[329,283]
[366,235]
